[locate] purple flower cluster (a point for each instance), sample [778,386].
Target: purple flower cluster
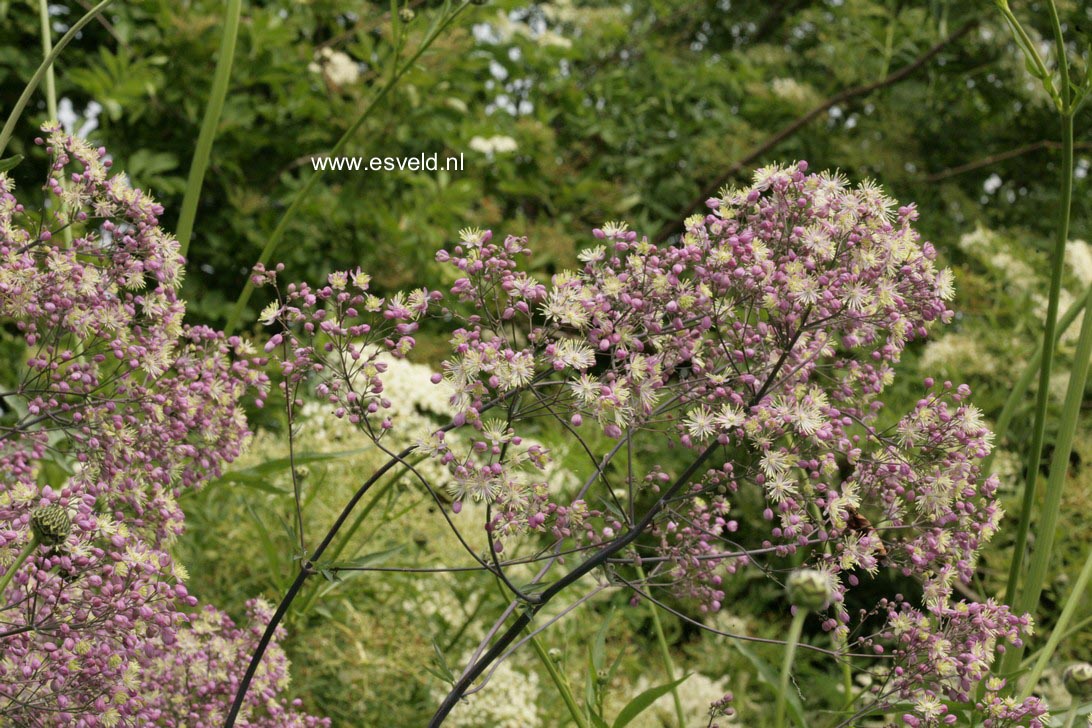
[193,684]
[335,334]
[765,336]
[944,653]
[119,407]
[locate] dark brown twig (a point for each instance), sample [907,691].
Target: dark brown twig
[1000,157]
[796,124]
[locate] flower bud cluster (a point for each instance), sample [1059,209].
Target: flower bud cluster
[119,407]
[762,342]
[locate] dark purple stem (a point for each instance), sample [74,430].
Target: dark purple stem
[306,569]
[513,632]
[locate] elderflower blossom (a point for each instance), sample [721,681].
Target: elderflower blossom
[336,67]
[696,693]
[509,700]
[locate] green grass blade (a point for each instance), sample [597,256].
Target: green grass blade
[274,240]
[43,69]
[1035,450]
[1075,599]
[1020,388]
[768,675]
[200,162]
[1059,467]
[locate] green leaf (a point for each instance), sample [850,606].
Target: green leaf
[769,676]
[535,588]
[362,562]
[599,645]
[277,565]
[589,685]
[442,670]
[643,701]
[10,162]
[598,722]
[257,476]
[1033,69]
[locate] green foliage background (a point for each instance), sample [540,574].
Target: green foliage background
[618,112]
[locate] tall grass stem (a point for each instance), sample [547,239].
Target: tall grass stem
[795,629]
[213,110]
[1076,599]
[445,19]
[43,69]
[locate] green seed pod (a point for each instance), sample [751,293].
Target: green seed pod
[406,14]
[1078,680]
[809,589]
[50,524]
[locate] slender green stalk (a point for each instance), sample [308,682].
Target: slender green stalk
[336,550]
[278,232]
[847,673]
[1020,388]
[1035,451]
[795,629]
[27,551]
[665,654]
[560,683]
[558,679]
[46,65]
[1027,46]
[1071,605]
[215,107]
[669,666]
[47,48]
[1065,92]
[1033,585]
[51,88]
[1071,714]
[888,43]
[1059,465]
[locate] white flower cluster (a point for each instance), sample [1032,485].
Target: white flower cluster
[994,251]
[436,597]
[509,700]
[957,355]
[696,693]
[1078,256]
[336,67]
[505,29]
[493,145]
[1023,276]
[793,91]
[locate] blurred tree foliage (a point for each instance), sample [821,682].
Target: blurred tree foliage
[618,111]
[615,111]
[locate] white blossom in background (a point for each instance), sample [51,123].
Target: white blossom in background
[436,598]
[957,354]
[71,121]
[561,11]
[993,251]
[792,90]
[338,68]
[1065,300]
[1078,255]
[696,693]
[509,700]
[1008,467]
[493,145]
[550,39]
